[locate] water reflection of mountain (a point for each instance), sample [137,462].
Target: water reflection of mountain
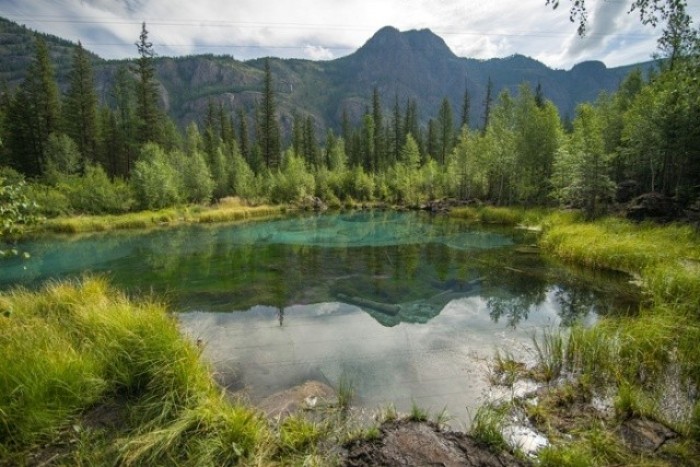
[417,262]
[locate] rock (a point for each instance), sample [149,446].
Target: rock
[693,212]
[653,206]
[524,439]
[421,444]
[642,435]
[306,396]
[627,190]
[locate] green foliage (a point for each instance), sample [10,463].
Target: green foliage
[17,211]
[62,157]
[196,181]
[156,183]
[582,166]
[293,182]
[95,193]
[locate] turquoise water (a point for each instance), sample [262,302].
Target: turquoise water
[407,305]
[410,263]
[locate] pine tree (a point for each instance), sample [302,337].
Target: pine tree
[269,134]
[124,96]
[311,151]
[398,136]
[297,133]
[243,135]
[146,91]
[81,107]
[445,130]
[466,105]
[539,96]
[34,113]
[378,155]
[432,144]
[368,139]
[488,100]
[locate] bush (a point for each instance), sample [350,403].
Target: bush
[95,193]
[155,182]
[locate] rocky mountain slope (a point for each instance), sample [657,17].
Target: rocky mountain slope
[412,64]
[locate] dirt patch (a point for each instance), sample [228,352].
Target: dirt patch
[110,415]
[409,443]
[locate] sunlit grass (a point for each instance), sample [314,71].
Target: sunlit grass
[230,209]
[501,215]
[619,244]
[72,346]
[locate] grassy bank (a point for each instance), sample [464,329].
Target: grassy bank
[91,378]
[649,362]
[230,209]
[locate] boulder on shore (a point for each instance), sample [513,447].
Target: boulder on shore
[654,207]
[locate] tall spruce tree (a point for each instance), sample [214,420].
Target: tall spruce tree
[445,128]
[80,108]
[243,135]
[398,137]
[466,107]
[488,101]
[378,155]
[34,113]
[268,137]
[147,110]
[123,94]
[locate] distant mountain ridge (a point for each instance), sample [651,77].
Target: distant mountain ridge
[414,64]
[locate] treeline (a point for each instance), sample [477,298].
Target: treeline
[124,154]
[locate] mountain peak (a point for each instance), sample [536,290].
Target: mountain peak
[423,42]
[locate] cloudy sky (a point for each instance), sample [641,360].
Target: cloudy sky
[323,30]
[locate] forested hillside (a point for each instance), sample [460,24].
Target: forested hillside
[415,65]
[91,149]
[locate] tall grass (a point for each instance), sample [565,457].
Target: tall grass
[635,354]
[226,211]
[618,244]
[72,346]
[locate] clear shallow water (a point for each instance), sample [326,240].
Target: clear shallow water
[405,305]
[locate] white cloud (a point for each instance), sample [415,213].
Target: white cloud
[324,30]
[316,52]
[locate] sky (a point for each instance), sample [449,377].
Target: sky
[328,29]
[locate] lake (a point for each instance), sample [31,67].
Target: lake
[408,307]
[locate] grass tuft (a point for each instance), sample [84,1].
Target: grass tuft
[417,413]
[487,427]
[550,355]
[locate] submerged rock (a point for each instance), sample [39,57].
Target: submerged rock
[309,395]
